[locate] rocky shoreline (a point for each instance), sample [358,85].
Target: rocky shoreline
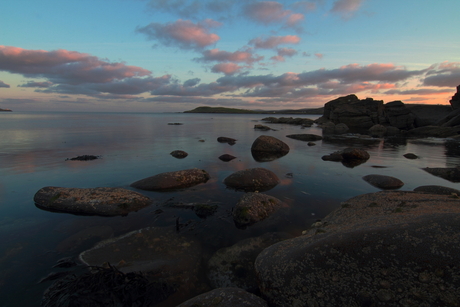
[389,248]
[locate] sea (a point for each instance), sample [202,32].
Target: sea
[35,148]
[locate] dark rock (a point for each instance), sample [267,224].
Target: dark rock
[233,266]
[384,248]
[67,262]
[223,139]
[355,154]
[433,131]
[455,101]
[452,174]
[179,154]
[268,148]
[172,180]
[397,115]
[226,157]
[340,128]
[252,179]
[84,158]
[262,127]
[305,137]
[384,182]
[335,156]
[436,189]
[410,156]
[426,115]
[225,297]
[175,124]
[392,131]
[204,210]
[311,144]
[92,201]
[161,254]
[377,130]
[105,287]
[254,207]
[304,122]
[53,276]
[328,128]
[84,237]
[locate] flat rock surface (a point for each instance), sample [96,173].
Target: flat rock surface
[383,182]
[90,201]
[252,179]
[436,189]
[254,207]
[233,266]
[388,248]
[225,297]
[172,180]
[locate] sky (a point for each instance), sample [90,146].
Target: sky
[175,55]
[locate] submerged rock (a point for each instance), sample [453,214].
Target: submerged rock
[384,182]
[223,139]
[410,156]
[172,180]
[225,297]
[437,189]
[91,201]
[305,137]
[254,207]
[449,173]
[233,266]
[387,248]
[226,157]
[179,154]
[84,158]
[252,179]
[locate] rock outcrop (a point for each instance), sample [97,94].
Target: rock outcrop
[388,248]
[252,179]
[172,180]
[91,201]
[455,101]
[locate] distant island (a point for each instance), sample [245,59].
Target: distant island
[5,110]
[205,109]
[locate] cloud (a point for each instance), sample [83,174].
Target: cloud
[62,66]
[210,89]
[36,84]
[268,12]
[346,8]
[423,91]
[226,68]
[319,56]
[274,41]
[225,56]
[446,74]
[283,53]
[192,8]
[3,84]
[183,34]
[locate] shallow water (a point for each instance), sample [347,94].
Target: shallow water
[34,148]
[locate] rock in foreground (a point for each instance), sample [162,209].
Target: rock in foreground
[379,249]
[225,297]
[252,179]
[91,201]
[172,180]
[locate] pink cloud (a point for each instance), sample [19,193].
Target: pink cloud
[274,41]
[225,56]
[294,19]
[3,84]
[268,12]
[226,68]
[319,56]
[182,33]
[346,8]
[278,58]
[289,52]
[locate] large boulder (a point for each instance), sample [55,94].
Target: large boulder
[254,207]
[252,179]
[388,248]
[267,148]
[426,115]
[397,115]
[172,180]
[225,297]
[233,266]
[90,201]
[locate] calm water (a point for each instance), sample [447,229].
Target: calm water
[34,147]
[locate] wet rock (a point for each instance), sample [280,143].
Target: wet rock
[105,287]
[91,201]
[84,158]
[223,139]
[233,266]
[305,137]
[172,180]
[204,210]
[161,254]
[335,156]
[410,156]
[384,182]
[254,207]
[179,154]
[225,297]
[267,148]
[433,131]
[437,189]
[449,173]
[355,154]
[252,179]
[378,248]
[262,127]
[377,130]
[226,157]
[85,236]
[311,144]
